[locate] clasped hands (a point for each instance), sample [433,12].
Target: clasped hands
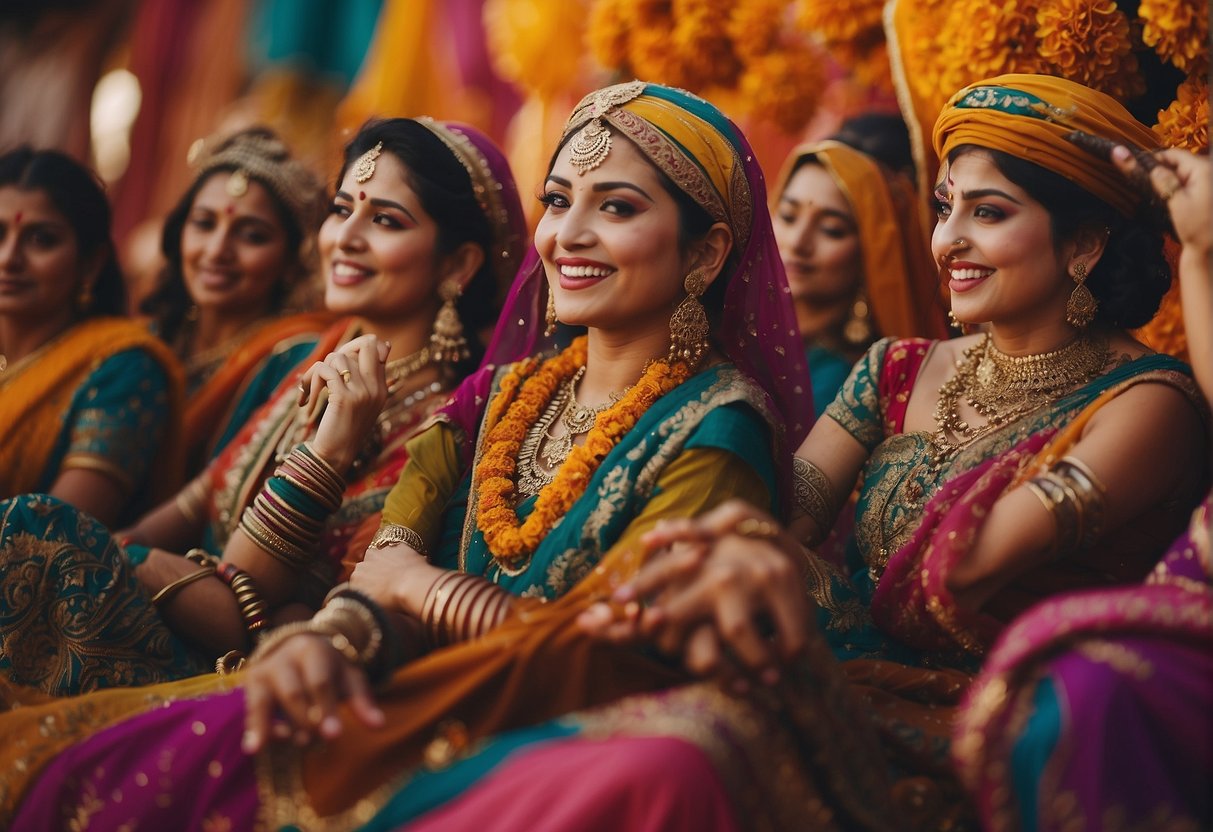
[723,591]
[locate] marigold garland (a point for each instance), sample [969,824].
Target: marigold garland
[511,543]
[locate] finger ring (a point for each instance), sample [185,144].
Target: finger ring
[753,527]
[345,376]
[1176,186]
[315,713]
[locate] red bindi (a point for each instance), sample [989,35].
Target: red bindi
[362,194]
[17,219]
[231,209]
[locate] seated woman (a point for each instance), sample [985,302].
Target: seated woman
[955,538]
[1034,741]
[89,401]
[1052,452]
[425,219]
[240,252]
[856,256]
[530,494]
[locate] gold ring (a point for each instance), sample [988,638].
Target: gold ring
[315,713]
[345,376]
[753,527]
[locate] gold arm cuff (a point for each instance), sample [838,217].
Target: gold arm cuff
[814,495]
[392,533]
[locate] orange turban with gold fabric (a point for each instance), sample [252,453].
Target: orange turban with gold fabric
[1028,116]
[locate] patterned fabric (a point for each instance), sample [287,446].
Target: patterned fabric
[1139,659]
[63,642]
[104,395]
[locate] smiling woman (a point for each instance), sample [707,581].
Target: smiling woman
[239,251]
[273,515]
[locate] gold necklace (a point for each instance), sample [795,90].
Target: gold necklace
[1002,388]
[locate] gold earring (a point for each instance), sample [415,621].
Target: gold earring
[85,298]
[549,316]
[448,344]
[1081,305]
[689,324]
[857,331]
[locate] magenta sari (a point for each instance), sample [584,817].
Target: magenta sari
[1095,711]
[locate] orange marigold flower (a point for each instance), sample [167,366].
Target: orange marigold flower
[784,87]
[840,21]
[754,27]
[607,32]
[981,39]
[1088,41]
[1186,122]
[1179,32]
[702,46]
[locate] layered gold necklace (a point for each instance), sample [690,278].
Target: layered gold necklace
[543,453]
[1002,388]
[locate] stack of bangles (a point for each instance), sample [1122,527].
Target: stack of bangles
[459,607]
[1075,498]
[352,623]
[287,517]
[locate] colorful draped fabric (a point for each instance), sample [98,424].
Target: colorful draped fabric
[243,381]
[1098,706]
[75,617]
[105,395]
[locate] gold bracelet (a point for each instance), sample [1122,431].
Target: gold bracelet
[814,495]
[169,590]
[191,500]
[275,637]
[392,533]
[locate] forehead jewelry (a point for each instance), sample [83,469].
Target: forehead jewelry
[590,147]
[364,168]
[237,183]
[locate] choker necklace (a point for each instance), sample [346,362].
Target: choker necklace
[1002,388]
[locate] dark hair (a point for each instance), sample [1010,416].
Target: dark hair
[694,222]
[1132,276]
[883,136]
[169,303]
[79,196]
[445,189]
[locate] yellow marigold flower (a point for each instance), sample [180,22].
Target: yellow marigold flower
[784,87]
[1088,41]
[607,32]
[1186,122]
[1179,32]
[535,43]
[981,39]
[702,46]
[754,26]
[650,56]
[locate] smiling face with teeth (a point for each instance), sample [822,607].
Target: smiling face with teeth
[995,247]
[379,248]
[609,240]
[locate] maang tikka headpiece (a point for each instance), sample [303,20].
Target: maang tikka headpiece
[589,148]
[364,167]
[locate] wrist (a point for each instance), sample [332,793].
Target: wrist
[411,588]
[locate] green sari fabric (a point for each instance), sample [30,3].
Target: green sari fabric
[715,409]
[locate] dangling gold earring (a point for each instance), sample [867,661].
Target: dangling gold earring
[1082,305]
[85,298]
[857,331]
[957,324]
[689,324]
[549,317]
[447,344]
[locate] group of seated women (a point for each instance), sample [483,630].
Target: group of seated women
[718,531]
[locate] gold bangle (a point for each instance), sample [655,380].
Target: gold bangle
[814,494]
[392,533]
[275,637]
[169,590]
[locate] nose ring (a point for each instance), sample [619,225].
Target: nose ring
[960,242]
